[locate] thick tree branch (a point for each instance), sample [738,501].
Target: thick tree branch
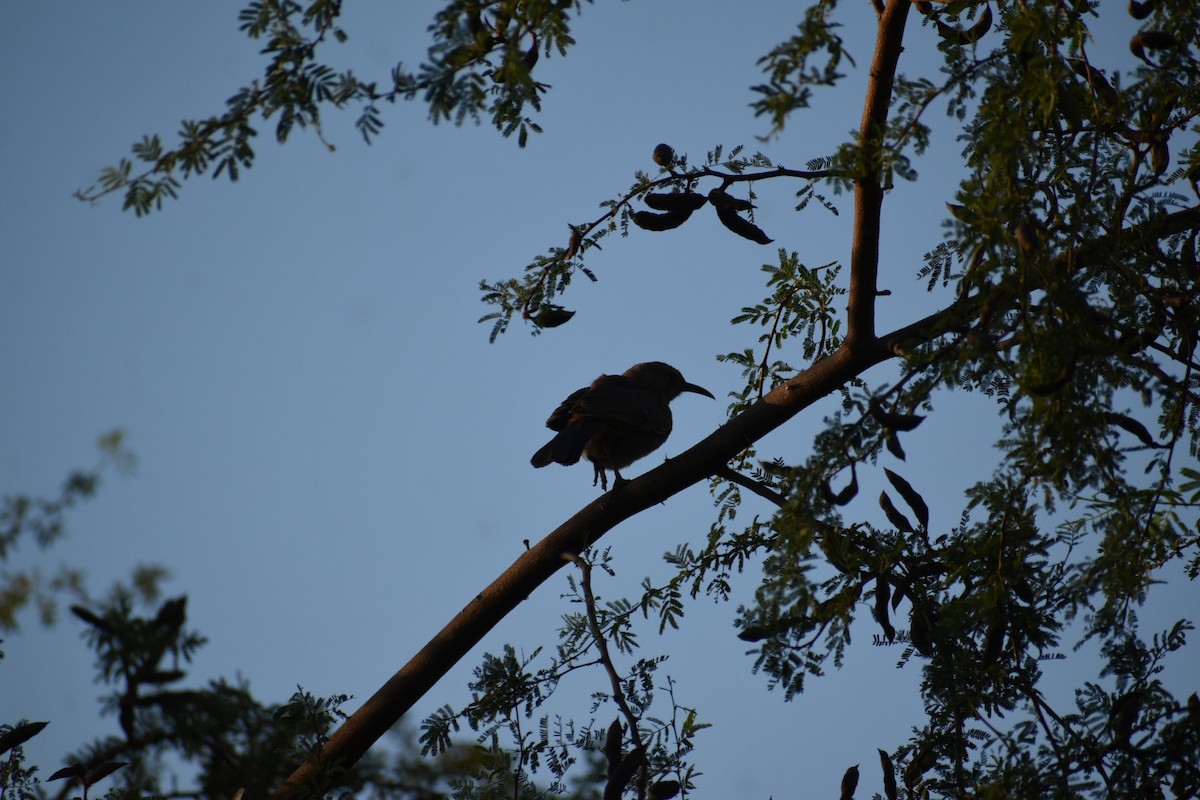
[868,190]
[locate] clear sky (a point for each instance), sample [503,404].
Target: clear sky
[332,459]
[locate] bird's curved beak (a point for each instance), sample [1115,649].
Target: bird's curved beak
[691,387]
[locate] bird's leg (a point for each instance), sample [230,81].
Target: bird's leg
[618,481]
[601,477]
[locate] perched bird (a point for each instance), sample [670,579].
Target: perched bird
[616,420]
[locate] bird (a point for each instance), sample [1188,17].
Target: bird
[616,420]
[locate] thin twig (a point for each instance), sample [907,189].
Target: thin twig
[589,600]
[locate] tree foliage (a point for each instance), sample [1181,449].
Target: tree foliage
[1065,283]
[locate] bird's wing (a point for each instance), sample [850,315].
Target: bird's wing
[561,417]
[616,398]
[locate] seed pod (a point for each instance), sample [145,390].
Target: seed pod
[1095,79]
[1187,256]
[849,782]
[922,761]
[663,790]
[755,633]
[893,514]
[20,734]
[722,199]
[959,35]
[1123,714]
[1141,10]
[993,643]
[172,613]
[911,496]
[742,227]
[612,745]
[1026,234]
[1160,156]
[623,773]
[97,622]
[1151,40]
[892,420]
[883,592]
[918,633]
[660,222]
[892,441]
[551,316]
[1131,425]
[69,771]
[675,201]
[95,774]
[845,495]
[1059,381]
[664,156]
[889,775]
[531,55]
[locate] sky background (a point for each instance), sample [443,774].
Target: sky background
[332,459]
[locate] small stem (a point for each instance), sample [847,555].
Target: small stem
[585,581]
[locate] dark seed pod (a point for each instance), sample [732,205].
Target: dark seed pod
[892,420]
[1060,380]
[664,156]
[918,633]
[172,614]
[95,774]
[893,444]
[552,316]
[1131,425]
[1124,714]
[911,496]
[663,790]
[1160,156]
[675,201]
[742,227]
[623,773]
[92,619]
[575,241]
[1026,234]
[70,771]
[893,514]
[889,775]
[849,782]
[964,36]
[660,222]
[1141,10]
[531,55]
[1095,79]
[20,734]
[845,495]
[722,199]
[993,643]
[612,745]
[883,593]
[1151,40]
[922,761]
[755,633]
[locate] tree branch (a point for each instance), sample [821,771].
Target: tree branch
[868,191]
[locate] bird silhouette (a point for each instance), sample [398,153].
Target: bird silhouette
[616,420]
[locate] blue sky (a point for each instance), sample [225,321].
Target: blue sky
[332,459]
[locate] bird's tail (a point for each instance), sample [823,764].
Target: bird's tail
[567,447]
